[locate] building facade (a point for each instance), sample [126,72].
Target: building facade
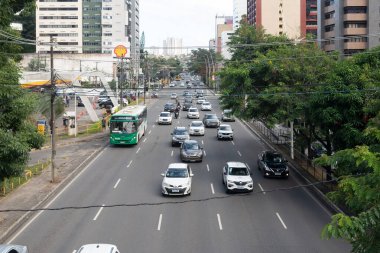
[222,24]
[293,18]
[172,46]
[349,26]
[239,9]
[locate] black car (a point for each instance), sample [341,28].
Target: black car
[211,120]
[191,151]
[186,106]
[105,103]
[272,164]
[169,107]
[179,135]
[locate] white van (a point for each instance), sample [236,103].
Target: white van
[98,248]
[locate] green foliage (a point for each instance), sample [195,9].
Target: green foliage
[159,67]
[200,60]
[36,65]
[112,84]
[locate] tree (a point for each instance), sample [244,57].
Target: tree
[18,133]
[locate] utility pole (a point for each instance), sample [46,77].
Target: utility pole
[52,112]
[121,81]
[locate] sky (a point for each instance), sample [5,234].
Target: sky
[191,20]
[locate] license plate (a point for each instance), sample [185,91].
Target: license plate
[122,142]
[277,174]
[175,190]
[241,187]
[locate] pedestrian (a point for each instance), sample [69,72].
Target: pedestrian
[67,101]
[104,123]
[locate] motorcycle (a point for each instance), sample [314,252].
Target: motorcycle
[176,114]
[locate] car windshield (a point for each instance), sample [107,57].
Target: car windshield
[169,105]
[211,116]
[173,94]
[238,171]
[180,132]
[177,173]
[165,114]
[193,110]
[225,128]
[191,146]
[206,103]
[274,158]
[196,124]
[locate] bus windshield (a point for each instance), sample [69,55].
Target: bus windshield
[123,127]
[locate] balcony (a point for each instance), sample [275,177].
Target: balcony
[329,8]
[330,34]
[329,21]
[355,3]
[355,45]
[355,31]
[355,17]
[329,48]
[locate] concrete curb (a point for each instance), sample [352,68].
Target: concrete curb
[24,218]
[316,192]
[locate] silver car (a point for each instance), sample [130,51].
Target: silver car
[225,132]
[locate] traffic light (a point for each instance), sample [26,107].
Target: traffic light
[146,88]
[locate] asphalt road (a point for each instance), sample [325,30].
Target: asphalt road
[278,221]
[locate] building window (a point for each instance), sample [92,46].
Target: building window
[59,9]
[58,26]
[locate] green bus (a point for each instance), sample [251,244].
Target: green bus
[128,125]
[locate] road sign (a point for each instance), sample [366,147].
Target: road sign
[120,51]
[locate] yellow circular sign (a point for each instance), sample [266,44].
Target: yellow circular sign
[120,51]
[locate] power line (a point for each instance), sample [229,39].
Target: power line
[168,202]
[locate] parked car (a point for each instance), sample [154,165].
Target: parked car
[225,132]
[227,115]
[179,135]
[177,179]
[272,164]
[206,106]
[211,120]
[196,128]
[98,248]
[193,113]
[12,248]
[191,151]
[169,107]
[165,118]
[237,177]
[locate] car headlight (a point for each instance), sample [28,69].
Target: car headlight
[164,184]
[174,138]
[230,181]
[286,168]
[267,168]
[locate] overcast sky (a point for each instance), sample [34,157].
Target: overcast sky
[191,20]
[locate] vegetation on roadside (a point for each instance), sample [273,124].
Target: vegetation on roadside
[335,101]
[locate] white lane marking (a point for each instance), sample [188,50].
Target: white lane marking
[172,153]
[74,251]
[282,222]
[220,222]
[98,213]
[248,166]
[178,122]
[150,131]
[202,142]
[233,143]
[144,140]
[117,183]
[57,196]
[212,189]
[138,150]
[239,153]
[261,188]
[159,222]
[129,164]
[204,152]
[208,168]
[154,126]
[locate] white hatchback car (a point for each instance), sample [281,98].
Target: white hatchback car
[206,106]
[165,118]
[197,128]
[200,101]
[177,179]
[225,132]
[193,113]
[236,177]
[98,248]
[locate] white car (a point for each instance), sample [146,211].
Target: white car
[197,128]
[173,96]
[206,106]
[225,132]
[165,118]
[237,177]
[193,113]
[200,101]
[98,248]
[177,179]
[172,85]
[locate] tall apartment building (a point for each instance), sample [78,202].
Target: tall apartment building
[348,26]
[293,18]
[222,24]
[172,46]
[239,9]
[88,26]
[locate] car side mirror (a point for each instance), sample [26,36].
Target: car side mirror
[163,174]
[191,174]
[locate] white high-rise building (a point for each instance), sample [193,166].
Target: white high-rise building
[62,20]
[172,46]
[240,9]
